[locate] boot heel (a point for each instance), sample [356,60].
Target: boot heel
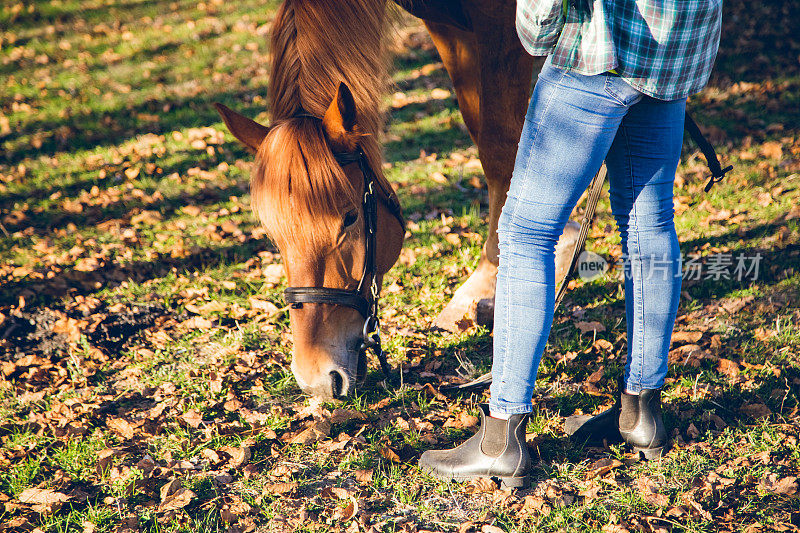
[650,454]
[521,482]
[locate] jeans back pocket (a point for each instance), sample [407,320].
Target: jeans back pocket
[621,91]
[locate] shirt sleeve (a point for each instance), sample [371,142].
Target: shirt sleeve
[539,24]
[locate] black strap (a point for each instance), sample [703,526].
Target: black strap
[595,188]
[324,295]
[717,172]
[387,199]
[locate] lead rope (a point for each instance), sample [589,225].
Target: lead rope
[371,335]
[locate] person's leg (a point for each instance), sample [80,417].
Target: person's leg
[570,125]
[641,167]
[571,122]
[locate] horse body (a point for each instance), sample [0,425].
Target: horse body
[328,76]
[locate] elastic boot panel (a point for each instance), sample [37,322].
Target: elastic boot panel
[495,437]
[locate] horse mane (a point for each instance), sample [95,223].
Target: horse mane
[315,45]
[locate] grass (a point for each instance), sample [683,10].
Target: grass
[125,220]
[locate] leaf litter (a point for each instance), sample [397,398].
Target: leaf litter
[131,383]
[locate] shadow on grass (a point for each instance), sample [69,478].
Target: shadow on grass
[438,140]
[43,13]
[43,222]
[73,282]
[109,128]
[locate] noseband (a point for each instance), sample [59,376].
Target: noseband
[367,306]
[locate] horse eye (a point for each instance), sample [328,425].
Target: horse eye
[350,218]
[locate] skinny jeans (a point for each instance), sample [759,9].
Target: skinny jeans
[573,123]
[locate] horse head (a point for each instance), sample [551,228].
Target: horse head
[309,189]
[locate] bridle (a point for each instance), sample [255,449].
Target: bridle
[367,306]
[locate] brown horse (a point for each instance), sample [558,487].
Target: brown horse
[328,77]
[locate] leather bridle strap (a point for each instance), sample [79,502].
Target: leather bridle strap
[355,299]
[297,296]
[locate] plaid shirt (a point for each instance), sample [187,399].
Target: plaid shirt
[663,48]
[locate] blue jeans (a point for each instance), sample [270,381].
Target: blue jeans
[573,123]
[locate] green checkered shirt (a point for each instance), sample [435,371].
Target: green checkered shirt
[663,48]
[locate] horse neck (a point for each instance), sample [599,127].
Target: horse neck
[318,43]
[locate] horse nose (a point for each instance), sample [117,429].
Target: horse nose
[339,383]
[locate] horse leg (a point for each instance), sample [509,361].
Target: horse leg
[491,74]
[459,52]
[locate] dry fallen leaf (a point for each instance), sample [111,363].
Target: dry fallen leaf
[587,327]
[121,427]
[340,416]
[438,177]
[440,94]
[481,484]
[105,459]
[316,432]
[169,488]
[602,467]
[467,420]
[273,273]
[786,486]
[772,150]
[649,492]
[339,493]
[363,476]
[734,305]
[596,376]
[728,368]
[690,337]
[47,499]
[193,418]
[590,493]
[281,488]
[602,344]
[349,511]
[180,499]
[239,455]
[762,457]
[436,394]
[389,454]
[197,322]
[264,306]
[756,410]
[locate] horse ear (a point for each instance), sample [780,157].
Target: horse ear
[340,120]
[249,132]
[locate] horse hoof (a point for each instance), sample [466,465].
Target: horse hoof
[455,316]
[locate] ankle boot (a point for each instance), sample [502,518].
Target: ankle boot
[641,425]
[598,430]
[634,419]
[498,450]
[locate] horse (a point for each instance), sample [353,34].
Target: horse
[317,185]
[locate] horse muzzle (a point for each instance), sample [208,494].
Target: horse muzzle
[334,378]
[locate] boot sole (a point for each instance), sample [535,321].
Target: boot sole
[521,482]
[515,482]
[508,482]
[650,454]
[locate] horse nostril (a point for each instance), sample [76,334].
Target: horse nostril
[337,384]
